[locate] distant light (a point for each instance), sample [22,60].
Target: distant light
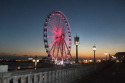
[18,68]
[61,62]
[106,53]
[37,60]
[117,60]
[98,60]
[90,60]
[85,61]
[30,58]
[34,60]
[103,59]
[114,57]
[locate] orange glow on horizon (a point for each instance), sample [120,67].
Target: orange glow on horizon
[83,52]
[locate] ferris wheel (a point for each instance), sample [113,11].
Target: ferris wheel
[57,36]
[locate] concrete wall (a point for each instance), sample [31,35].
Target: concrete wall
[3,68]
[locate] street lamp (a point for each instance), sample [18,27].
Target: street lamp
[35,61]
[106,55]
[94,49]
[76,42]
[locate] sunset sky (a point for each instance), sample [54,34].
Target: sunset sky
[96,22]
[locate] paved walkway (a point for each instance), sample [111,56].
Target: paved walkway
[113,74]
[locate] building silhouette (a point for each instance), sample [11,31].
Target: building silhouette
[120,56]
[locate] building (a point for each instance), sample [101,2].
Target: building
[120,56]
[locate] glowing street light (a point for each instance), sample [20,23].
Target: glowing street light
[106,55]
[35,61]
[76,42]
[94,49]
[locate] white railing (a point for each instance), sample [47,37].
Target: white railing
[47,75]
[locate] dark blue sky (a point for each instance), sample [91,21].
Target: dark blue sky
[99,22]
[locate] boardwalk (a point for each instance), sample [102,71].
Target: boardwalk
[113,74]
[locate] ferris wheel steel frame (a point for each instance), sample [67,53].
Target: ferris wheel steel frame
[57,36]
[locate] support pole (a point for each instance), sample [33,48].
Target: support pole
[94,57]
[76,53]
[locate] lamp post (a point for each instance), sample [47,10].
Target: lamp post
[35,61]
[106,55]
[76,42]
[94,49]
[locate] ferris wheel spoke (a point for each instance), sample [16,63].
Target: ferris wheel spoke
[65,50]
[59,23]
[53,24]
[58,49]
[53,47]
[48,28]
[68,49]
[56,25]
[61,49]
[50,44]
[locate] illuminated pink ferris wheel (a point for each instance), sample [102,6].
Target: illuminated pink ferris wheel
[57,36]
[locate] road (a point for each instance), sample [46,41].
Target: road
[113,74]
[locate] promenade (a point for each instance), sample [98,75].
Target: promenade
[111,74]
